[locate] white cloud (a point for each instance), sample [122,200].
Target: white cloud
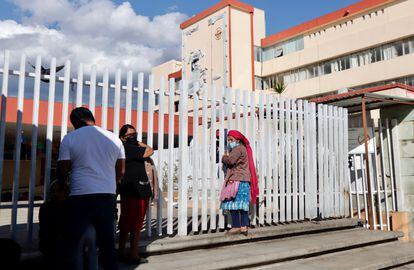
[92,32]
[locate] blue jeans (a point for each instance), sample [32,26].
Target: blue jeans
[86,215]
[239,218]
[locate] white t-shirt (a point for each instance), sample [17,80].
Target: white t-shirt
[93,152]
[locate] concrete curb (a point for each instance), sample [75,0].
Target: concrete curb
[261,255]
[178,244]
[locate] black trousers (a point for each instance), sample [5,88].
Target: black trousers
[84,211]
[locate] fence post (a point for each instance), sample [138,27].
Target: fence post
[79,86]
[17,145]
[321,190]
[105,88]
[204,153]
[171,133]
[33,153]
[128,100]
[140,105]
[253,144]
[301,161]
[261,157]
[268,140]
[117,102]
[4,95]
[397,166]
[348,199]
[182,184]
[213,189]
[195,162]
[65,104]
[294,161]
[92,90]
[160,143]
[150,138]
[313,164]
[49,128]
[282,142]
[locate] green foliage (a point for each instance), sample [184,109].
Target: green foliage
[280,87]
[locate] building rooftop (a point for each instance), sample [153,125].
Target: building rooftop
[324,20]
[222,4]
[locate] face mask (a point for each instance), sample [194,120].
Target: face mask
[131,139]
[233,145]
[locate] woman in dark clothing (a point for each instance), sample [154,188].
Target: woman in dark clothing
[135,190]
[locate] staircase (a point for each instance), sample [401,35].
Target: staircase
[330,244]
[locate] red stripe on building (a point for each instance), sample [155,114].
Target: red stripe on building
[11,116]
[176,75]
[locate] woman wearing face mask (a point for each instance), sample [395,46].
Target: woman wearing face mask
[135,190]
[240,183]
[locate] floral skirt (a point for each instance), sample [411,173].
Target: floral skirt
[242,200]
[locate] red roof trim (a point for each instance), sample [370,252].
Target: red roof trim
[222,4]
[362,91]
[176,75]
[351,10]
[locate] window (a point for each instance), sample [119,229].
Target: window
[406,47]
[310,73]
[365,58]
[411,45]
[257,54]
[268,54]
[388,52]
[398,47]
[376,55]
[281,49]
[354,60]
[335,66]
[327,68]
[258,82]
[317,70]
[278,52]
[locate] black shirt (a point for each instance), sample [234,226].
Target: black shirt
[135,181]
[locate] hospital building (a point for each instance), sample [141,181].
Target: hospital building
[366,44]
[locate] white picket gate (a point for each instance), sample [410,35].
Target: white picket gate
[300,148]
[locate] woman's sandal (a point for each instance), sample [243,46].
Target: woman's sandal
[245,233]
[233,232]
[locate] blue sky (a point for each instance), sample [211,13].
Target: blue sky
[135,35]
[131,35]
[280,14]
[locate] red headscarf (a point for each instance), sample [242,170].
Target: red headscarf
[254,189]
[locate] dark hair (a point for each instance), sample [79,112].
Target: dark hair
[80,116]
[124,130]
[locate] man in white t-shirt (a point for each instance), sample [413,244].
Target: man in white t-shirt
[93,161]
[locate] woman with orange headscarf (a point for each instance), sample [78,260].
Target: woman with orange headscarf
[240,184]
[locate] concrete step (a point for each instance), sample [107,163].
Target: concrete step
[393,255]
[404,267]
[214,240]
[258,253]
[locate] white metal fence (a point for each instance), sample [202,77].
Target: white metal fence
[300,148]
